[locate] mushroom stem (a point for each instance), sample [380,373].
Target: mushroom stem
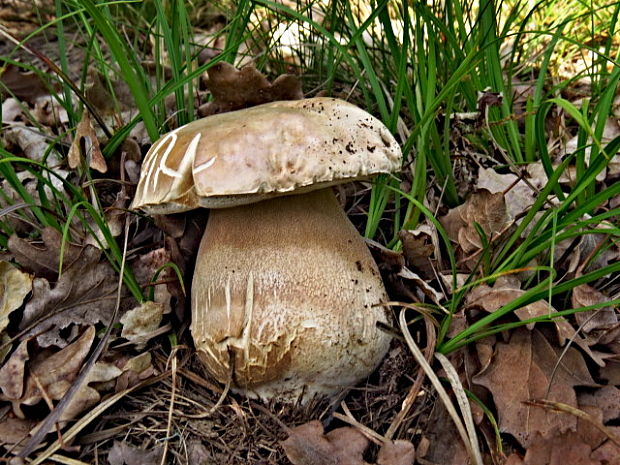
[285,296]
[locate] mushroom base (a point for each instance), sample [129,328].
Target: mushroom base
[284,299]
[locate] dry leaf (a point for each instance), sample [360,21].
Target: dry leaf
[25,85]
[307,445]
[54,373]
[85,294]
[444,443]
[14,430]
[11,110]
[14,287]
[518,193]
[122,453]
[607,398]
[43,261]
[12,373]
[505,290]
[567,448]
[49,112]
[418,248]
[525,369]
[233,88]
[487,210]
[139,323]
[585,295]
[85,134]
[399,452]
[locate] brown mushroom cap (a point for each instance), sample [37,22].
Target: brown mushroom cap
[261,152]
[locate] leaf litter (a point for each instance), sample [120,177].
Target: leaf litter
[54,332]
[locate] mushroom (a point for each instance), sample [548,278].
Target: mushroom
[285,295]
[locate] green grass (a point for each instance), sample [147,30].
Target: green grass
[412,67]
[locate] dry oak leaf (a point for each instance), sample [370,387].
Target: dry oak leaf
[14,430]
[14,287]
[307,444]
[607,398]
[54,373]
[233,88]
[525,369]
[519,194]
[85,294]
[585,295]
[487,210]
[567,448]
[43,260]
[505,290]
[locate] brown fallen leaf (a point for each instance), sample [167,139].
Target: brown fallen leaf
[25,85]
[567,448]
[14,430]
[85,294]
[585,295]
[308,445]
[524,369]
[233,88]
[399,452]
[140,322]
[441,440]
[14,287]
[43,260]
[122,453]
[419,247]
[86,138]
[505,290]
[519,194]
[607,398]
[53,374]
[12,373]
[487,210]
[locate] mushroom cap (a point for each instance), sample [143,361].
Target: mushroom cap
[266,151]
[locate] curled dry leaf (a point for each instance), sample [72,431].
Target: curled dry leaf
[140,323]
[49,112]
[85,134]
[14,287]
[11,110]
[529,368]
[85,294]
[233,88]
[419,246]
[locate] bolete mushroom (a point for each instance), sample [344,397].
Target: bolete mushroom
[285,296]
